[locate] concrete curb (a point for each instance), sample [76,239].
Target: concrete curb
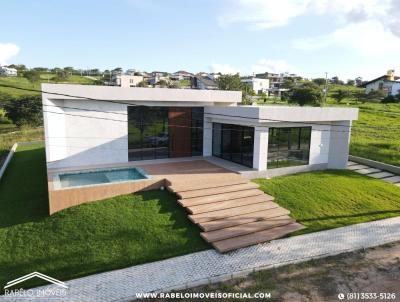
[8,159]
[375,164]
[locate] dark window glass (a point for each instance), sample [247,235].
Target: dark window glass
[197,131]
[234,143]
[147,132]
[288,147]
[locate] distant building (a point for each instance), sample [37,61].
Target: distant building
[258,85]
[181,75]
[275,81]
[388,83]
[201,82]
[126,80]
[8,72]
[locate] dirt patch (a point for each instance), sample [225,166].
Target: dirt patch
[376,270]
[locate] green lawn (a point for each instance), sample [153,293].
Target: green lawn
[9,134]
[331,199]
[383,142]
[86,239]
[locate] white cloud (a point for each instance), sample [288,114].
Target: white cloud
[7,51]
[262,14]
[275,66]
[223,68]
[369,38]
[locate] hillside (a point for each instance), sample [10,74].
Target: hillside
[44,78]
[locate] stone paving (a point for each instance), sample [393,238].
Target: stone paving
[210,266]
[375,173]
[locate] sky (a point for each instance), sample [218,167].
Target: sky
[346,38]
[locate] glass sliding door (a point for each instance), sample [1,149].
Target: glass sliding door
[234,143]
[288,147]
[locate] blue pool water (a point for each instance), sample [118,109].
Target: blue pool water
[67,180]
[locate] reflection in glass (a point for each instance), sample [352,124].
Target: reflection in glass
[288,147]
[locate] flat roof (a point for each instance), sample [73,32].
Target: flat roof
[126,94]
[284,113]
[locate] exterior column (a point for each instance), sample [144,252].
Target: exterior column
[260,152]
[207,138]
[339,145]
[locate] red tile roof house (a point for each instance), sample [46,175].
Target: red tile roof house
[104,141]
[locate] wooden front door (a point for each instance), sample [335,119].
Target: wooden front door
[179,126]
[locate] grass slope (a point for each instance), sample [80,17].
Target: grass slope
[44,78]
[86,239]
[331,199]
[381,143]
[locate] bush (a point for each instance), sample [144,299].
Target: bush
[25,110]
[391,99]
[308,93]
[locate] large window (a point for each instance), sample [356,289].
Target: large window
[234,143]
[147,132]
[288,147]
[161,132]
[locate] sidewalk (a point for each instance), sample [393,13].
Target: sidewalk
[209,266]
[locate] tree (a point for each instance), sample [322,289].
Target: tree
[375,96]
[229,82]
[33,76]
[25,110]
[143,84]
[351,82]
[340,94]
[391,99]
[62,76]
[162,83]
[19,67]
[288,83]
[308,93]
[319,81]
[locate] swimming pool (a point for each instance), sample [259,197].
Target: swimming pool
[98,177]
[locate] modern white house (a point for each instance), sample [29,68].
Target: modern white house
[389,83]
[256,84]
[8,72]
[106,125]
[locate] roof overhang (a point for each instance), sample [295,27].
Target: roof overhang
[267,114]
[134,94]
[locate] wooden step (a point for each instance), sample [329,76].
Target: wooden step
[218,190]
[222,214]
[271,213]
[247,228]
[218,197]
[226,204]
[230,244]
[177,188]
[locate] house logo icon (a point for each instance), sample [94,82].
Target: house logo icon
[36,275]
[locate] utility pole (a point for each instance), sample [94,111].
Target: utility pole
[326,87]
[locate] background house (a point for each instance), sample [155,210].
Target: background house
[8,72]
[126,80]
[389,83]
[203,82]
[258,85]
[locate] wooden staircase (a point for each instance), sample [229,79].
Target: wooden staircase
[233,212]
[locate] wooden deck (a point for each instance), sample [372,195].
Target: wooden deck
[231,211]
